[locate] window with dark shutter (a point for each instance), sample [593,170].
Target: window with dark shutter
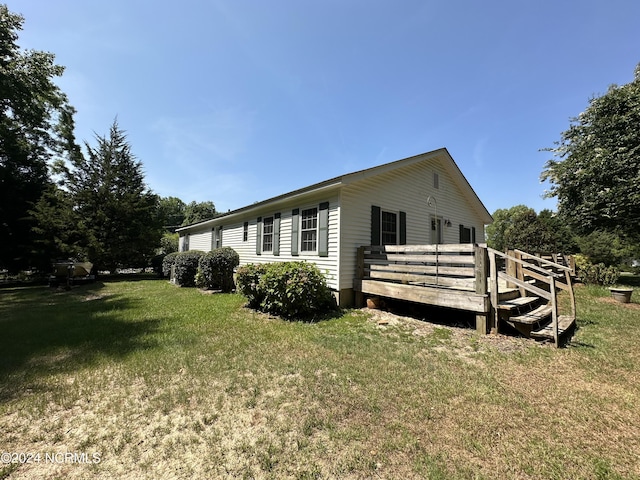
[309,230]
[389,228]
[267,234]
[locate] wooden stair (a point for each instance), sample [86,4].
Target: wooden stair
[534,310]
[533,320]
[565,324]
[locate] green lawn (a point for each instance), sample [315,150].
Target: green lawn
[156,381]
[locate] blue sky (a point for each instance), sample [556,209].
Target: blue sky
[238,101]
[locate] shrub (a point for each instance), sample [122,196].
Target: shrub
[217,268]
[596,274]
[167,262]
[186,267]
[247,280]
[199,279]
[288,289]
[169,243]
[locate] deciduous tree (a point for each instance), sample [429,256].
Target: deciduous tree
[36,126]
[596,170]
[197,212]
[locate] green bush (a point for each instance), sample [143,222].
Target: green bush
[199,279]
[288,289]
[248,280]
[596,274]
[167,262]
[169,243]
[186,267]
[217,268]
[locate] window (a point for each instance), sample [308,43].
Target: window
[219,237]
[267,234]
[309,230]
[389,228]
[245,232]
[467,234]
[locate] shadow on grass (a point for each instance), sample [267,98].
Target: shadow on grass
[45,332]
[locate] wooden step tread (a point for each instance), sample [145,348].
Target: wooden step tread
[565,322]
[516,303]
[533,316]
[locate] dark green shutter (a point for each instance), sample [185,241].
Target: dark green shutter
[403,228]
[259,236]
[323,230]
[461,233]
[295,224]
[220,228]
[213,238]
[376,232]
[473,234]
[276,234]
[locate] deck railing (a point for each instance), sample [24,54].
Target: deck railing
[454,275]
[446,265]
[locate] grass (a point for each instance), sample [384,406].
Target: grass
[163,382]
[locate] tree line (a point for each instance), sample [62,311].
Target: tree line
[58,200]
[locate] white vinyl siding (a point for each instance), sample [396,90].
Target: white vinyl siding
[200,240]
[403,189]
[234,229]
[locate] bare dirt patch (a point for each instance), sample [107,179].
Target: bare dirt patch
[461,339]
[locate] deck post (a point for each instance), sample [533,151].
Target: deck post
[482,272]
[511,268]
[493,275]
[554,309]
[359,296]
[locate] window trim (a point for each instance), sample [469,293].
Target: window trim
[396,215]
[265,222]
[301,251]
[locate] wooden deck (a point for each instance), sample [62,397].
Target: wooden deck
[495,286]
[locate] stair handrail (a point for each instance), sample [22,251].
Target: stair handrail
[550,279]
[568,271]
[559,266]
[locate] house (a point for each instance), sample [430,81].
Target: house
[424,199]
